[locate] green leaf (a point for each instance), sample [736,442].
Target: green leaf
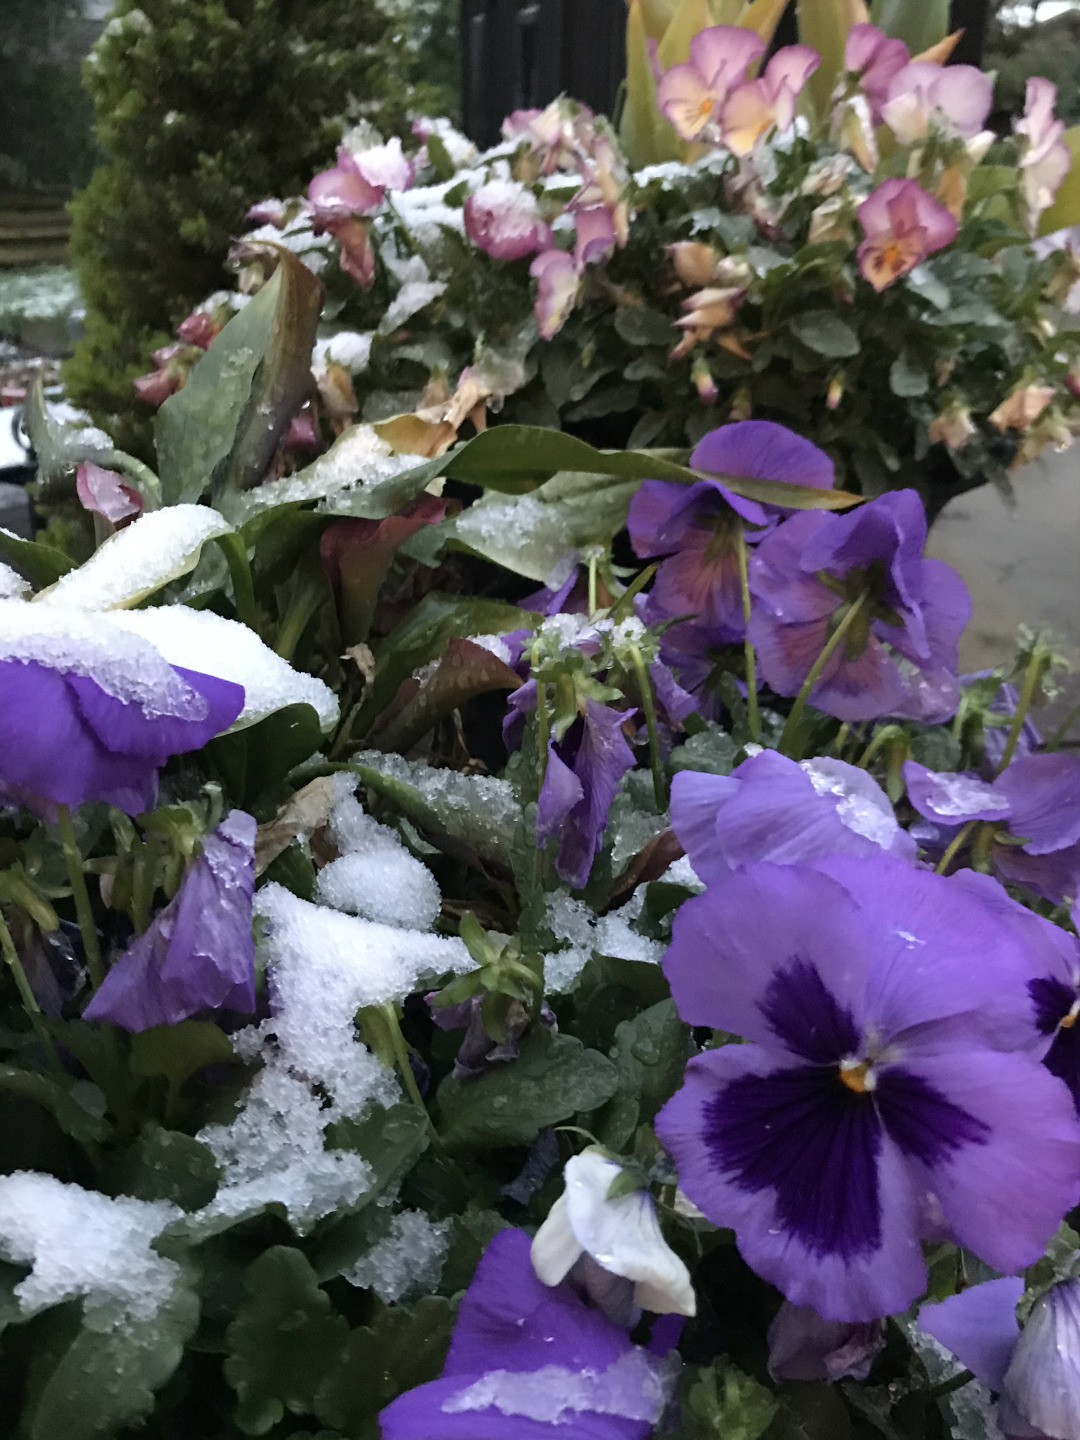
[824,25]
[1065,210]
[166,1165]
[35,561]
[552,1079]
[919,23]
[646,135]
[517,458]
[465,671]
[712,751]
[638,325]
[221,429]
[260,756]
[651,1052]
[177,1052]
[60,1098]
[400,1349]
[907,378]
[105,1379]
[283,1341]
[825,332]
[439,158]
[729,1405]
[61,449]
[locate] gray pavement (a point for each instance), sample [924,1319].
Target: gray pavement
[1022,565]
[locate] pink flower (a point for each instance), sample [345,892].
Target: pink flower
[693,95]
[875,60]
[595,236]
[357,183]
[199,329]
[752,108]
[269,212]
[960,95]
[1047,158]
[558,136]
[104,493]
[502,219]
[902,224]
[356,257]
[557,278]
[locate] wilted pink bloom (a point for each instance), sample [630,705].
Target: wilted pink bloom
[168,375]
[502,219]
[705,311]
[695,263]
[875,59]
[557,278]
[752,108]
[357,258]
[269,212]
[902,224]
[357,183]
[693,95]
[961,95]
[558,136]
[953,427]
[1022,407]
[301,434]
[595,236]
[199,329]
[105,493]
[1047,159]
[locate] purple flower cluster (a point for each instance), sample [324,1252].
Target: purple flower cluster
[810,576]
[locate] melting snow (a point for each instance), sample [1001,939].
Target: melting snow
[408,1262]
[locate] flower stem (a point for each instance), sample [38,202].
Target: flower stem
[753,720]
[408,1079]
[946,1387]
[592,585]
[26,994]
[543,734]
[84,911]
[831,645]
[955,844]
[1031,679]
[648,704]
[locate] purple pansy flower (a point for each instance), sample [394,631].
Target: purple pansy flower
[803,1346]
[1036,799]
[875,1101]
[1035,1371]
[899,657]
[88,713]
[697,526]
[533,1362]
[583,772]
[199,952]
[772,808]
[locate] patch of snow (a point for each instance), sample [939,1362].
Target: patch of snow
[375,876]
[408,1262]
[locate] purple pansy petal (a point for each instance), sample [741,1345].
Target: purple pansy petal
[125,729]
[199,952]
[676,702]
[979,1326]
[703,580]
[1044,794]
[530,1351]
[1041,1391]
[562,790]
[696,802]
[662,514]
[982,1176]
[741,954]
[953,797]
[1056,876]
[803,1171]
[860,689]
[602,757]
[763,450]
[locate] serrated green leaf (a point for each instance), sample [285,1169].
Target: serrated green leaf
[730,1405]
[284,1340]
[826,333]
[400,1349]
[552,1079]
[712,751]
[221,429]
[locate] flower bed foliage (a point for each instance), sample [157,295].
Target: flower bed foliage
[439,1007]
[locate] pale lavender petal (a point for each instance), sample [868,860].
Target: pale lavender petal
[595,231]
[1042,1384]
[803,1346]
[953,797]
[979,1326]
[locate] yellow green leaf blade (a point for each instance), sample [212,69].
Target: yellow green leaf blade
[824,25]
[1066,207]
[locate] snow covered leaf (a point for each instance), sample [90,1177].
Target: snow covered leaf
[138,560]
[12,584]
[284,1337]
[60,448]
[552,1079]
[40,563]
[222,428]
[202,641]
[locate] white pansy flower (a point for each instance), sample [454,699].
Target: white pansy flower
[622,1236]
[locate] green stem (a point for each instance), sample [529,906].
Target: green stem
[26,994]
[592,585]
[753,720]
[84,911]
[841,740]
[1063,729]
[883,736]
[345,730]
[946,1387]
[408,1079]
[958,840]
[543,735]
[1031,680]
[648,704]
[834,641]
